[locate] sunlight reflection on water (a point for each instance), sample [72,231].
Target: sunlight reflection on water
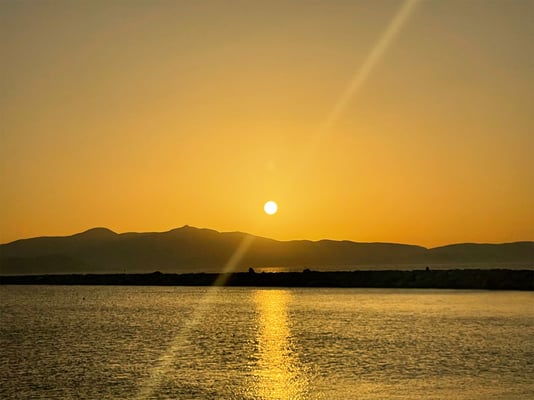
[258,344]
[280,375]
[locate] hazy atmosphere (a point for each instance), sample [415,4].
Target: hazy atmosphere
[405,122]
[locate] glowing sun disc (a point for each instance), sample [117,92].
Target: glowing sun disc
[270,207]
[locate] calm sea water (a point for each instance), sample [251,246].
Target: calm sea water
[246,343]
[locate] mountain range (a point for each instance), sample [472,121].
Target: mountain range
[190,249]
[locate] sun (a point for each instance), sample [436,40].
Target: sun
[270,207]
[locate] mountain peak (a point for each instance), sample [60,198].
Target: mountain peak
[97,233]
[190,229]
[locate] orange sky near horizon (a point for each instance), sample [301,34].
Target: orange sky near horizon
[146,116]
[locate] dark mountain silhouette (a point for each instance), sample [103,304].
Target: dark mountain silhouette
[189,249]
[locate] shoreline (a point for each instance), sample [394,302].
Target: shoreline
[490,279]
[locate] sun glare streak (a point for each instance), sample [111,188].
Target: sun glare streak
[164,363]
[277,373]
[359,78]
[234,261]
[376,54]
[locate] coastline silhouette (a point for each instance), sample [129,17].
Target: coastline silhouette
[488,279]
[193,250]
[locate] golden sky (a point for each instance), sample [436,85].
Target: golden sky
[365,120]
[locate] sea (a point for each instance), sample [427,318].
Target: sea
[121,342]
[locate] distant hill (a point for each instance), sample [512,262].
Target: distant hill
[189,249]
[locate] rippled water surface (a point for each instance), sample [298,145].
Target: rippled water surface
[246,343]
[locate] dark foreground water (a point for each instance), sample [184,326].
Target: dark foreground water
[244,343]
